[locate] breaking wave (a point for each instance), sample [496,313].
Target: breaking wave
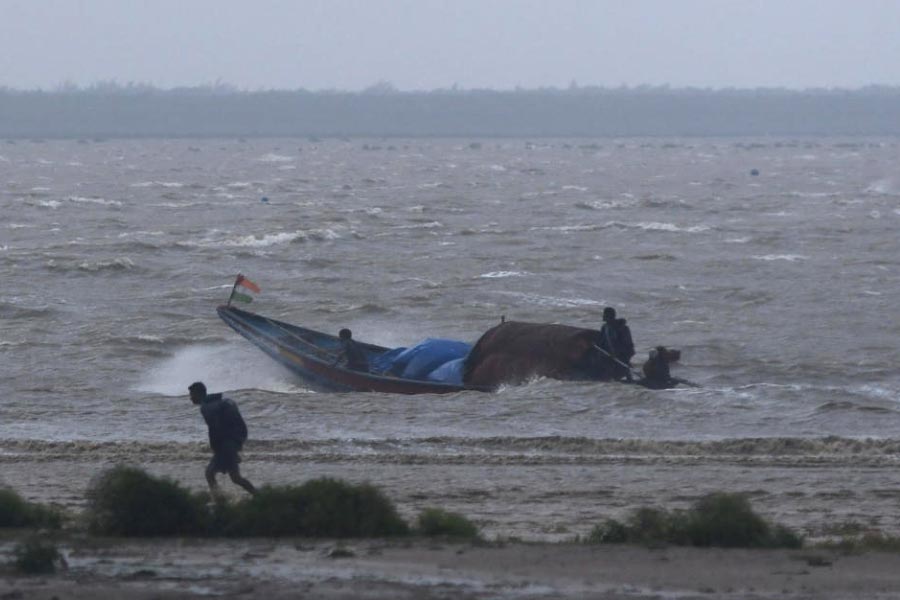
[264,241]
[786,257]
[115,264]
[493,450]
[100,201]
[226,367]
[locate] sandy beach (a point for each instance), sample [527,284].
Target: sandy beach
[376,569]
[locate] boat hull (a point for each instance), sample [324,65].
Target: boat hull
[310,355]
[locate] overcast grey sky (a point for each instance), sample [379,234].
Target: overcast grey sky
[427,44]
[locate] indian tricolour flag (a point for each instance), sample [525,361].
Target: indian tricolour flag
[245,284]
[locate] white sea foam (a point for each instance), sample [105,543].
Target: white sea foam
[227,367]
[552,300]
[565,228]
[429,225]
[270,239]
[739,240]
[218,240]
[502,274]
[575,188]
[602,204]
[655,226]
[882,186]
[787,257]
[114,264]
[128,234]
[163,184]
[156,339]
[102,201]
[271,157]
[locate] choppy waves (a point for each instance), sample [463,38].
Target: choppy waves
[554,450]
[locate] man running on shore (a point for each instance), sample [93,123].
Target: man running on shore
[227,434]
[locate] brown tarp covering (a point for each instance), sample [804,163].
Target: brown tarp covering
[514,352]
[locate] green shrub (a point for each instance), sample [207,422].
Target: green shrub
[34,557]
[648,525]
[609,532]
[17,512]
[785,537]
[436,522]
[319,508]
[719,519]
[126,501]
[726,520]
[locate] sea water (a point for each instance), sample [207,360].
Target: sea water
[780,289]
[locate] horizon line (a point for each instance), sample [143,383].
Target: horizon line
[387,88]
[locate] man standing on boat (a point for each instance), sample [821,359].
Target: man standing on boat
[227,434]
[615,339]
[351,355]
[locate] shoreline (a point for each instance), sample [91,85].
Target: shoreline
[107,568]
[545,502]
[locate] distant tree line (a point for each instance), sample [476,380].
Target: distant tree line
[113,110]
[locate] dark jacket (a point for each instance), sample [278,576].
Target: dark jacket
[656,370]
[352,356]
[227,429]
[615,338]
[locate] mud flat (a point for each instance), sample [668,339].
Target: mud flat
[375,569]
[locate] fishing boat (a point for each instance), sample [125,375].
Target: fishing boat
[508,354]
[311,354]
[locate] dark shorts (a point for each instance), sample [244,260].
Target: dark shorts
[224,460]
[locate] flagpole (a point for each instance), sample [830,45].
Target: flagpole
[233,288]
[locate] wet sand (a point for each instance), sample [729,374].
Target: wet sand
[522,497]
[380,569]
[529,513]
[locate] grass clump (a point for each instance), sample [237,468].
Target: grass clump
[868,541]
[18,512]
[36,557]
[439,522]
[321,507]
[126,501]
[719,519]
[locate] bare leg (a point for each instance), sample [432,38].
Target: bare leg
[236,477]
[211,480]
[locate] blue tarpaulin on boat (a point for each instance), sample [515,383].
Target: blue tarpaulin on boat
[417,362]
[383,363]
[450,372]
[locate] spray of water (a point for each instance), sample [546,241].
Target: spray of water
[222,368]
